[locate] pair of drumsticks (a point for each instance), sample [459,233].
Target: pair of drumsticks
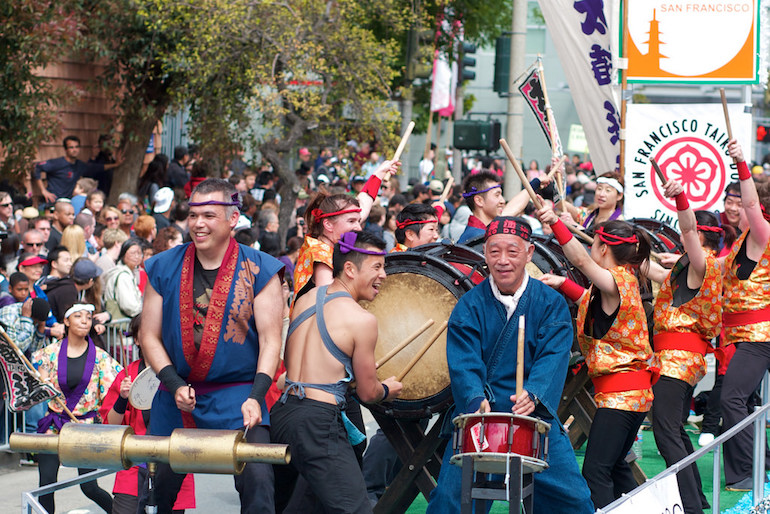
[403,344]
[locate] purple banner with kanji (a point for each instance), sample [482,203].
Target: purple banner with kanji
[582,39]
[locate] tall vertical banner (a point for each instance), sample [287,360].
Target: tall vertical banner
[687,41]
[581,35]
[689,142]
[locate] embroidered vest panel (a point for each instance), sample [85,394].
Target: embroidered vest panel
[625,347]
[313,250]
[746,296]
[702,315]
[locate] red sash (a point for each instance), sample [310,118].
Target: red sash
[626,381]
[736,319]
[200,360]
[687,341]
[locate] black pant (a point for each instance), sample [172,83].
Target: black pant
[605,468]
[713,414]
[48,469]
[254,485]
[321,454]
[381,465]
[669,412]
[744,374]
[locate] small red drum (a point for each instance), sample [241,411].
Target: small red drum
[490,439]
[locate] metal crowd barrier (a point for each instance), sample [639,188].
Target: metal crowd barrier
[119,346]
[758,418]
[29,499]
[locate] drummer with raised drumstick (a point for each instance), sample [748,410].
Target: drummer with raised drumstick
[613,336]
[482,358]
[483,194]
[331,341]
[416,225]
[688,315]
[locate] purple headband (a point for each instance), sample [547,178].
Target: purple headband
[347,244]
[234,202]
[475,191]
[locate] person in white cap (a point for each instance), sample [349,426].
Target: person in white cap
[83,373]
[163,200]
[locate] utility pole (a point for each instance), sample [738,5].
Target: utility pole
[515,117]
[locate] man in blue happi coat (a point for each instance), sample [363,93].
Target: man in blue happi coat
[211,329]
[481,352]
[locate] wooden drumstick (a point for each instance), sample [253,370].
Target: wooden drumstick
[404,139]
[520,173]
[447,189]
[520,361]
[658,171]
[400,346]
[422,351]
[557,166]
[36,374]
[727,116]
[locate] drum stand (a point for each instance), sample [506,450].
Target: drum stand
[516,488]
[420,453]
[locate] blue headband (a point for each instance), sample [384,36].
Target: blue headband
[347,244]
[475,191]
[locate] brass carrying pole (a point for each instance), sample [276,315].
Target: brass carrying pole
[36,374]
[117,447]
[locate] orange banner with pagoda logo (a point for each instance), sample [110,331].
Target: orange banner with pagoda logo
[692,41]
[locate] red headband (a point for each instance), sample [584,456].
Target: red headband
[709,228]
[407,222]
[318,214]
[508,225]
[613,240]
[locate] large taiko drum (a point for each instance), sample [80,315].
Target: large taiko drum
[664,238]
[491,439]
[422,284]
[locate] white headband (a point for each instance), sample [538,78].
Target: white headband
[610,182]
[79,307]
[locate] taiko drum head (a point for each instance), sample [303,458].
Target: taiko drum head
[420,286]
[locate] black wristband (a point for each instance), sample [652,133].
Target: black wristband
[535,183]
[120,405]
[262,383]
[171,379]
[386,389]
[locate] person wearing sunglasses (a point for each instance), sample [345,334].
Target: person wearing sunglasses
[33,241]
[126,208]
[7,221]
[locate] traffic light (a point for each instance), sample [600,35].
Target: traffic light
[477,135]
[418,55]
[502,65]
[763,133]
[467,62]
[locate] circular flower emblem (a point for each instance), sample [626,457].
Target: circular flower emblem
[698,165]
